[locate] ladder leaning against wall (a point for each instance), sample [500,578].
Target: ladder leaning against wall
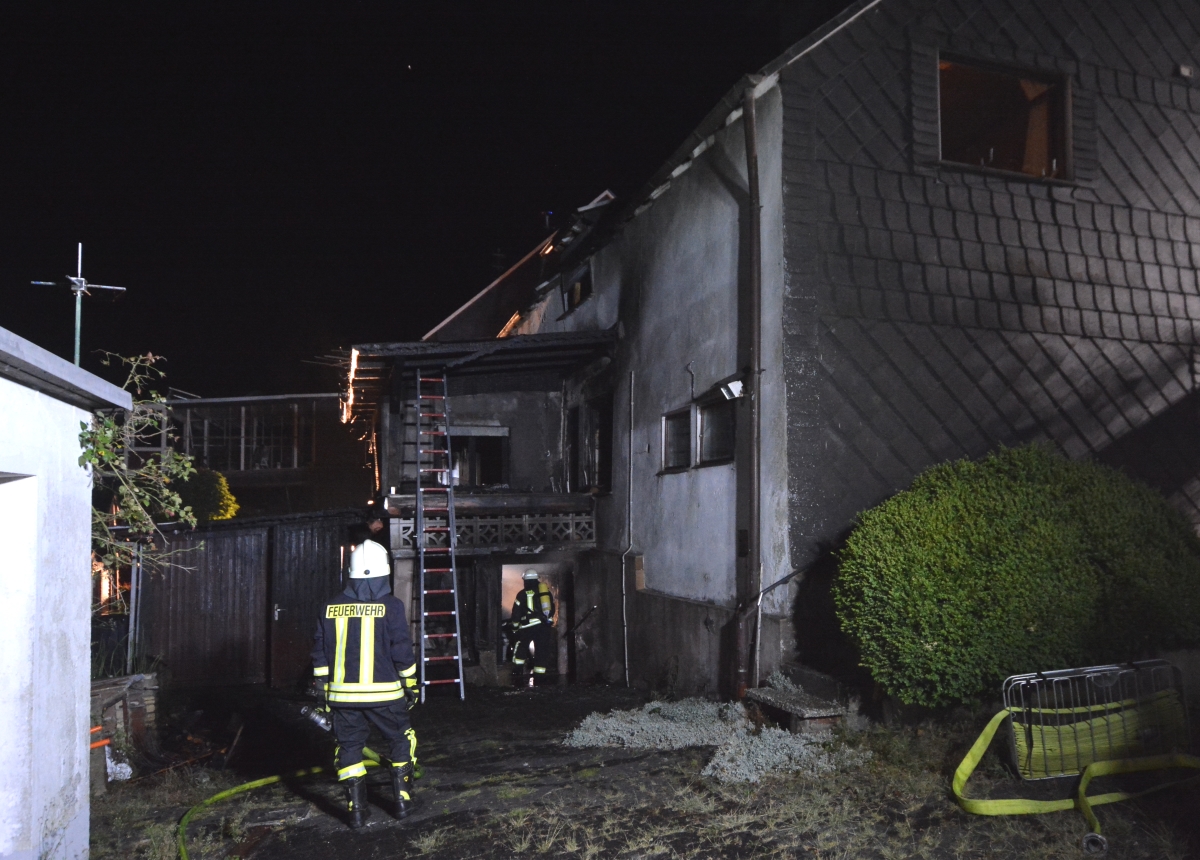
[439,653]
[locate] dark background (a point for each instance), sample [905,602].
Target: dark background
[272,184]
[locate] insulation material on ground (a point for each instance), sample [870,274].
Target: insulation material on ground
[742,755]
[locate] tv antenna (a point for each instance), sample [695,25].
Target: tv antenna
[80,287]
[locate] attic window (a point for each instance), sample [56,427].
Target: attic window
[577,289]
[1001,119]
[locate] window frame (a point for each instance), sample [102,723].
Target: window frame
[687,412]
[1066,105]
[566,285]
[709,403]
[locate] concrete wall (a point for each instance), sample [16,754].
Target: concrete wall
[675,278]
[45,506]
[675,273]
[934,312]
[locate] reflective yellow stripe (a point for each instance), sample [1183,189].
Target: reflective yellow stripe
[320,671]
[394,686]
[366,650]
[354,770]
[339,657]
[342,697]
[409,672]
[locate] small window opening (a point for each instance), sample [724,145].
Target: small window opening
[577,289]
[479,461]
[716,431]
[1004,120]
[677,440]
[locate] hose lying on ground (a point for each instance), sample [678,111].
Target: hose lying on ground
[371,760]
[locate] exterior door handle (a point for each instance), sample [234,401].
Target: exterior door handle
[277,611]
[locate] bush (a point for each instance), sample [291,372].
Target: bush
[207,492]
[1021,562]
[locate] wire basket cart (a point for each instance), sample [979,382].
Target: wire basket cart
[1063,721]
[1091,722]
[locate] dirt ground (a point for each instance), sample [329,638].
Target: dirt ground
[498,782]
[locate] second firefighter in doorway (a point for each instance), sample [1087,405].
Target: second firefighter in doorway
[533,624]
[364,657]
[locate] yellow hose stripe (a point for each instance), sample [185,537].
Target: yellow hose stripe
[1018,806]
[339,657]
[181,834]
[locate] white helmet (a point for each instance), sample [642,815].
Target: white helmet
[369,560]
[530,575]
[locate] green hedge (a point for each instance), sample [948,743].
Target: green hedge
[1021,562]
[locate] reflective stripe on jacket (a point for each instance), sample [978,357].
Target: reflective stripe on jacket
[533,607]
[362,650]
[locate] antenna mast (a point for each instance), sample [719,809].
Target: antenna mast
[79,286]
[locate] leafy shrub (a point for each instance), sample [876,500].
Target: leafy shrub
[1021,562]
[207,492]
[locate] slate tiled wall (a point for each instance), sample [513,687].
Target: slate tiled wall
[934,313]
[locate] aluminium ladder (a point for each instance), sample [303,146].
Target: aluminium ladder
[440,651]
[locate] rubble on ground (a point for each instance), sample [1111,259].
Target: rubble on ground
[745,752]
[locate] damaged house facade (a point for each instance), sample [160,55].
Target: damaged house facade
[931,228]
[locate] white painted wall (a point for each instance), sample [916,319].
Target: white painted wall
[45,687]
[45,577]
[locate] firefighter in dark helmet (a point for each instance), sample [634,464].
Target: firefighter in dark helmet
[532,622]
[364,657]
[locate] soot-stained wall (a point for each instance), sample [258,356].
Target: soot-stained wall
[936,312]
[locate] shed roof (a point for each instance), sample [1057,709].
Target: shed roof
[29,365]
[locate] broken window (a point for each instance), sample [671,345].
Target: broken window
[677,440]
[716,431]
[577,289]
[1003,119]
[589,445]
[479,461]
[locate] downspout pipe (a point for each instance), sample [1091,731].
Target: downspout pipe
[629,536]
[752,600]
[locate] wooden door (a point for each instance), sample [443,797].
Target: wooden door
[306,570]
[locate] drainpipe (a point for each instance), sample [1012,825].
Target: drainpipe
[629,535]
[750,604]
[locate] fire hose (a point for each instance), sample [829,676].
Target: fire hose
[318,716]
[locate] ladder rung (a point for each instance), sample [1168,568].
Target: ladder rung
[432,397]
[439,659]
[433,509]
[440,635]
[433,414]
[436,379]
[444,681]
[451,612]
[438,570]
[433,489]
[441,451]
[433,470]
[439,591]
[433,432]
[437,528]
[437,549]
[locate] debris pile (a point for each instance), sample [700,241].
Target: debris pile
[744,752]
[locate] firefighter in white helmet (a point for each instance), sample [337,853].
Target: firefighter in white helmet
[532,621]
[363,655]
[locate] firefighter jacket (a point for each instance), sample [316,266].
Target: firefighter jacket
[363,651]
[532,607]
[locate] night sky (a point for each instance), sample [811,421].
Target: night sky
[271,185]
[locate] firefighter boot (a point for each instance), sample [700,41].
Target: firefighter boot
[356,801]
[402,778]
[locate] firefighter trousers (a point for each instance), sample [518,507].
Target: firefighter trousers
[352,727]
[544,658]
